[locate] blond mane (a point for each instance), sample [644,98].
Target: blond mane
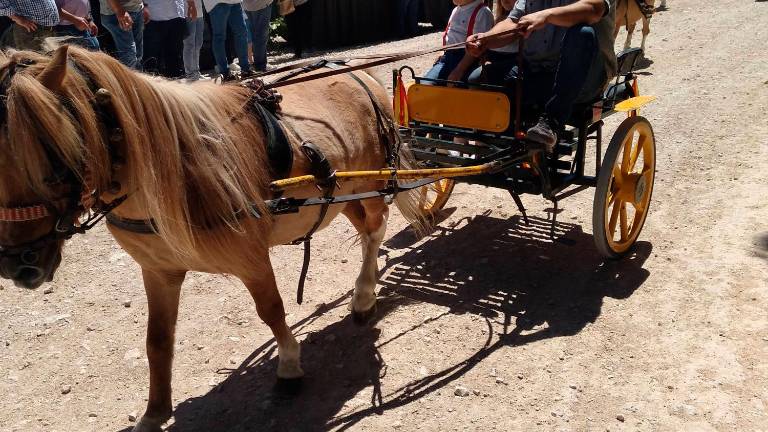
[193,159]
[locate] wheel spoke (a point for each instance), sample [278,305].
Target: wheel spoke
[623,222]
[627,151]
[614,218]
[617,177]
[636,153]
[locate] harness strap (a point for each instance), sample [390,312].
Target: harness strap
[646,9]
[321,169]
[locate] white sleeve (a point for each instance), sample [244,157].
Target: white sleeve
[517,11]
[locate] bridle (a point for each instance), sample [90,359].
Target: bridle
[79,199]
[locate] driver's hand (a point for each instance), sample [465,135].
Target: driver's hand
[475,46]
[532,22]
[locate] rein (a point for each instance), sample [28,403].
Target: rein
[377,60]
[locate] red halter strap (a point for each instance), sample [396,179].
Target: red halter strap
[24,214]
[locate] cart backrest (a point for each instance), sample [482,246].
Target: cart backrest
[482,110]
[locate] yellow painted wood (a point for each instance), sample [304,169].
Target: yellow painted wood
[633,104]
[457,107]
[388,174]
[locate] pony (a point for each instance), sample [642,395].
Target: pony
[191,158]
[629,12]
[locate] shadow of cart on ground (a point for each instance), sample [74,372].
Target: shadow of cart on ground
[525,285]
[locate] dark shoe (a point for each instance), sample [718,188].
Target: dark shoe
[228,77]
[247,74]
[544,134]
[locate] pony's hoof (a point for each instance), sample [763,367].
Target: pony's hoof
[365,317]
[288,387]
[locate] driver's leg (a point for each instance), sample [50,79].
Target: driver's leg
[580,74]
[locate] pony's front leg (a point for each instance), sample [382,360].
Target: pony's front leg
[370,219]
[269,306]
[162,290]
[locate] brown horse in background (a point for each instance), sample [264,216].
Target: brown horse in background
[629,12]
[193,159]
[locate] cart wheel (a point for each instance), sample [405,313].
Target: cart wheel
[624,187]
[434,196]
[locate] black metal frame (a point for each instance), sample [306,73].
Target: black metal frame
[524,169]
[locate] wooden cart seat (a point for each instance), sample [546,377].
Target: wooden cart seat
[464,108]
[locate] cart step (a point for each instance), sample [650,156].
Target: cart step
[562,165]
[566,148]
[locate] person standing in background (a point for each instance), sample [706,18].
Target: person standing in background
[299,24]
[164,36]
[224,14]
[76,21]
[194,42]
[124,20]
[259,14]
[33,21]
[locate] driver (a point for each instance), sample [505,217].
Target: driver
[568,56]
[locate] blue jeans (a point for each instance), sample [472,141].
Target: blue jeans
[85,38]
[495,71]
[229,15]
[579,78]
[445,65]
[192,45]
[129,45]
[259,22]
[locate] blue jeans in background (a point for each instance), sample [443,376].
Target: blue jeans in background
[129,45]
[259,22]
[229,15]
[192,45]
[84,37]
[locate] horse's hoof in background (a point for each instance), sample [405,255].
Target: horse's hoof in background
[364,318]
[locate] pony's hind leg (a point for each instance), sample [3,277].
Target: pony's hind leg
[630,30]
[370,219]
[269,306]
[162,290]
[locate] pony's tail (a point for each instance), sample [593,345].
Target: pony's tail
[409,202]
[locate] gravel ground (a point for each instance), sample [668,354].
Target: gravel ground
[483,325]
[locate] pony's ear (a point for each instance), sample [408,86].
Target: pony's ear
[52,77]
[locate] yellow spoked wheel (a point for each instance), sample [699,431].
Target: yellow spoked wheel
[434,196]
[624,187]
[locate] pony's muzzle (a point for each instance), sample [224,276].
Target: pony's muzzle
[31,268]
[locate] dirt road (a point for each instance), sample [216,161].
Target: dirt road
[545,336]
